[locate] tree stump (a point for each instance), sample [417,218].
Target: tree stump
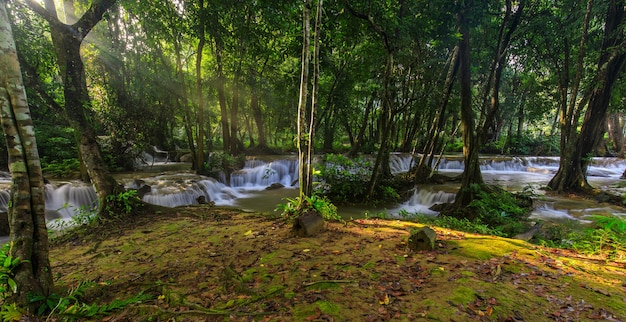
[423,239]
[308,224]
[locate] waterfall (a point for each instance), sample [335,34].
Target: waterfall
[422,199]
[258,175]
[185,189]
[67,199]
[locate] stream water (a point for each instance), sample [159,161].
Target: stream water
[171,185]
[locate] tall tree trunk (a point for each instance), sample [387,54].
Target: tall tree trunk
[27,221]
[67,40]
[616,132]
[200,95]
[439,122]
[302,140]
[221,92]
[491,127]
[571,175]
[235,144]
[471,174]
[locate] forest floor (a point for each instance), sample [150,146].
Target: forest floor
[203,263]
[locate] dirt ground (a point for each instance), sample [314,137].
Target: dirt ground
[203,263]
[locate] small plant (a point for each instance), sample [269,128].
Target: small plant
[8,262]
[70,307]
[606,237]
[123,202]
[321,204]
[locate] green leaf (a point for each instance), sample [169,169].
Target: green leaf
[7,262]
[12,285]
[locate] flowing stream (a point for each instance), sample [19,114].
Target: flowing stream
[263,183]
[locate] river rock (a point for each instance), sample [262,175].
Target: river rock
[308,224]
[423,239]
[275,186]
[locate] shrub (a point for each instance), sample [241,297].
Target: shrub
[321,204]
[343,179]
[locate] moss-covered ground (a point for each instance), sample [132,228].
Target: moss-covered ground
[211,264]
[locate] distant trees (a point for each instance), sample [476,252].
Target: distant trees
[205,75]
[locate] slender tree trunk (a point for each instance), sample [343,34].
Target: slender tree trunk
[616,132]
[357,142]
[221,93]
[29,235]
[200,140]
[235,143]
[302,139]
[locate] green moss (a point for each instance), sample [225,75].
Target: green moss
[369,265]
[328,307]
[462,295]
[303,311]
[290,295]
[267,257]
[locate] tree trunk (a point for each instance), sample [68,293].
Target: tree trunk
[67,40]
[200,140]
[221,93]
[29,235]
[302,140]
[471,174]
[575,157]
[616,133]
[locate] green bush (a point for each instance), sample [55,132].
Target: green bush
[343,179]
[499,210]
[61,169]
[321,204]
[218,162]
[607,236]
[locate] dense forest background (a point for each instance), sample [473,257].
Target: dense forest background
[225,75]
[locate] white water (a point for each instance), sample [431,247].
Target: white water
[247,187]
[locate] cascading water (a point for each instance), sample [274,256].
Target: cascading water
[258,175]
[64,200]
[181,189]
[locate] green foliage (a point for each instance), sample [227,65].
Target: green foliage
[8,264]
[122,203]
[218,162]
[11,312]
[70,307]
[524,144]
[606,237]
[499,210]
[463,224]
[83,216]
[61,169]
[343,179]
[321,204]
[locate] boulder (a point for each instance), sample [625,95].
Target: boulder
[275,186]
[423,239]
[308,224]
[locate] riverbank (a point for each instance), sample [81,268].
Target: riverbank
[207,263]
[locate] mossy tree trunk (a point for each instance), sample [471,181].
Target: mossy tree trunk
[29,235]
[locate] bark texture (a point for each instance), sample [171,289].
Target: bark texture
[29,235]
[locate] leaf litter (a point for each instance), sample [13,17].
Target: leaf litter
[205,263]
